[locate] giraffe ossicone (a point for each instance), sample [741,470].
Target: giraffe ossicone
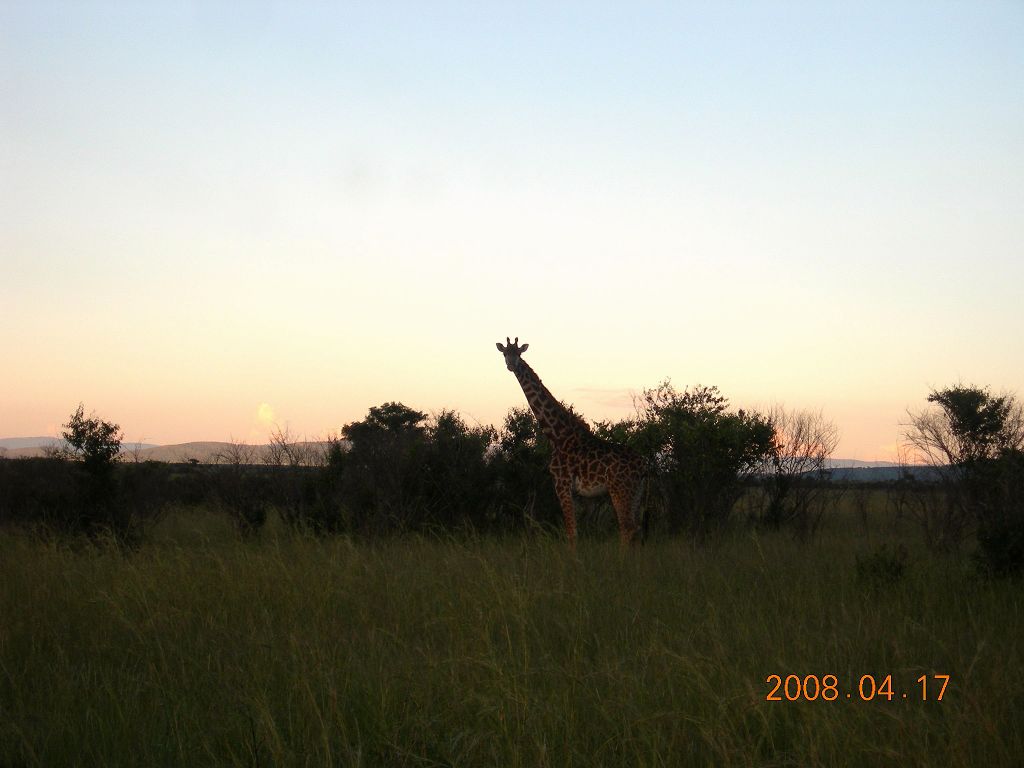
[581,462]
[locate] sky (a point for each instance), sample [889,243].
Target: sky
[216,220]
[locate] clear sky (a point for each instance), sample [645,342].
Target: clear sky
[213,219]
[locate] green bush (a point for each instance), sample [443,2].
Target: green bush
[702,453]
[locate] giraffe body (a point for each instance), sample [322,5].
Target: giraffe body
[581,462]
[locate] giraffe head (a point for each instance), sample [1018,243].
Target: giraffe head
[511,350]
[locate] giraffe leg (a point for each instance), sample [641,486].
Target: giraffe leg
[643,511]
[626,501]
[563,490]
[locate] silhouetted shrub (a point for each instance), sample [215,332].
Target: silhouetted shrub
[244,493]
[144,490]
[59,495]
[39,490]
[701,453]
[522,490]
[398,470]
[323,509]
[382,473]
[457,488]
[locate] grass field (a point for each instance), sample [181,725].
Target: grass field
[201,649]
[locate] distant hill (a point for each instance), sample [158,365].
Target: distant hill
[856,471]
[27,447]
[204,452]
[882,474]
[213,452]
[848,463]
[16,443]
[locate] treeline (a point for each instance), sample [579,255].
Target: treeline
[398,470]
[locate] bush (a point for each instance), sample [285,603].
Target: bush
[457,487]
[243,493]
[399,470]
[381,475]
[242,489]
[997,491]
[522,491]
[702,453]
[40,490]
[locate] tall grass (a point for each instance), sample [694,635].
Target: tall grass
[200,649]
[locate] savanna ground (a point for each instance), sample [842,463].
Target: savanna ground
[199,648]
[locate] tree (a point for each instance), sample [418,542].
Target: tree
[795,470]
[390,418]
[380,475]
[93,440]
[97,443]
[974,441]
[968,425]
[285,450]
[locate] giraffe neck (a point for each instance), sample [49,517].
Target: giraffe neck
[555,420]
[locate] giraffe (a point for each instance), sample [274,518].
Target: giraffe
[581,462]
